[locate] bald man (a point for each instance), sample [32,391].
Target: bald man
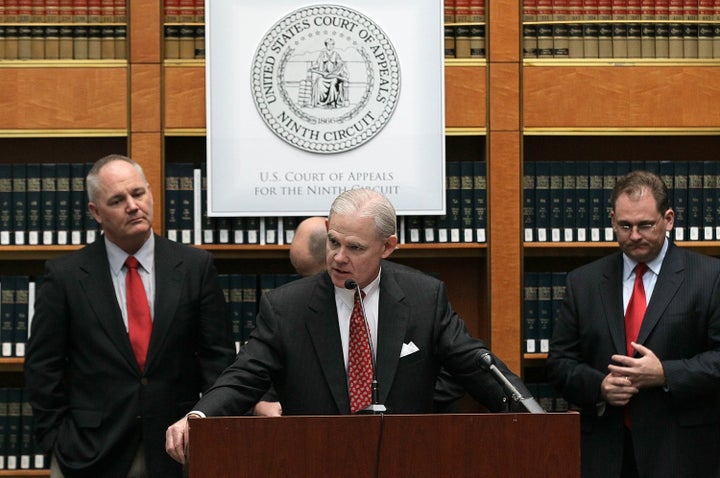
[307,251]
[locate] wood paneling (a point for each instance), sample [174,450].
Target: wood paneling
[465,97]
[146,86]
[185,97]
[504,97]
[63,98]
[503,31]
[621,97]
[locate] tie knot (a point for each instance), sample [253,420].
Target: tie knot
[131,262]
[361,292]
[640,269]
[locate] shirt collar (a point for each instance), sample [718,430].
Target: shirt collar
[653,265]
[348,295]
[117,256]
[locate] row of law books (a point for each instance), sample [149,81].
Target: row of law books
[184,42]
[621,29]
[548,398]
[17,300]
[63,42]
[543,293]
[569,201]
[184,11]
[464,11]
[63,11]
[465,41]
[45,204]
[242,294]
[18,447]
[187,220]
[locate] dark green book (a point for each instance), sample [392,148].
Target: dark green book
[6,216]
[21,312]
[252,230]
[26,432]
[13,427]
[530,312]
[3,427]
[34,207]
[582,200]
[710,171]
[529,205]
[569,179]
[609,180]
[19,202]
[209,226]
[453,206]
[595,200]
[680,200]
[249,284]
[186,202]
[556,200]
[78,203]
[480,200]
[7,315]
[62,203]
[545,310]
[92,228]
[557,294]
[467,203]
[48,203]
[412,228]
[235,308]
[695,197]
[269,226]
[172,200]
[542,200]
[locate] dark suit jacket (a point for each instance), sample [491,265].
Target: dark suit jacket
[91,403]
[296,346]
[675,432]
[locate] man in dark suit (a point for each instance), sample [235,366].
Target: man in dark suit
[100,410]
[302,340]
[649,407]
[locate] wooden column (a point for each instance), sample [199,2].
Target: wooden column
[145,118]
[504,137]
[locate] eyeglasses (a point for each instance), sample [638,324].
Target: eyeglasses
[643,228]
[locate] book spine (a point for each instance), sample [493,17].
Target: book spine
[634,30]
[557,295]
[556,200]
[695,196]
[680,196]
[545,44]
[545,311]
[454,203]
[529,205]
[690,29]
[48,203]
[575,30]
[19,202]
[480,200]
[662,29]
[560,31]
[172,201]
[675,30]
[80,11]
[467,204]
[647,29]
[595,200]
[709,189]
[186,204]
[530,312]
[91,225]
[7,316]
[77,203]
[705,30]
[449,11]
[235,307]
[568,201]
[34,182]
[605,29]
[21,320]
[619,28]
[6,216]
[172,11]
[62,203]
[590,29]
[94,11]
[197,207]
[582,200]
[530,46]
[208,223]
[542,199]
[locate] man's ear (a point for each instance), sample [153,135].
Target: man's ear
[389,246]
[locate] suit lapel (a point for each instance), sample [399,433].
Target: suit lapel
[668,282]
[611,294]
[324,331]
[169,275]
[392,326]
[100,294]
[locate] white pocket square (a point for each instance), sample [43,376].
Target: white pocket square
[408,349]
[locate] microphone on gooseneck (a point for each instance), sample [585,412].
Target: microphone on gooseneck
[375,406]
[485,361]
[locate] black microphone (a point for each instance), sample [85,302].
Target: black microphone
[375,406]
[486,362]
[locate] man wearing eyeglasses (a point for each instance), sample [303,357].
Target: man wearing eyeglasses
[640,356]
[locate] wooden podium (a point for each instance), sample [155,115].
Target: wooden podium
[503,445]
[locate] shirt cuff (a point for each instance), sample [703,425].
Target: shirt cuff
[198,413]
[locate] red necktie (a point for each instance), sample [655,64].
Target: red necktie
[635,309]
[138,311]
[359,360]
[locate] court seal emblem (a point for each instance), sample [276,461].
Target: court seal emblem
[325,79]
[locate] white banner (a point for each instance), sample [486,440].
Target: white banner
[306,100]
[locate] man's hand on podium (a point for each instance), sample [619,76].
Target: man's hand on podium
[267,409]
[176,438]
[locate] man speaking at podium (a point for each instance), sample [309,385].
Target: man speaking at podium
[306,344]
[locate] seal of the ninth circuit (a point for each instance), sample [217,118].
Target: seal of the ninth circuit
[326,79]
